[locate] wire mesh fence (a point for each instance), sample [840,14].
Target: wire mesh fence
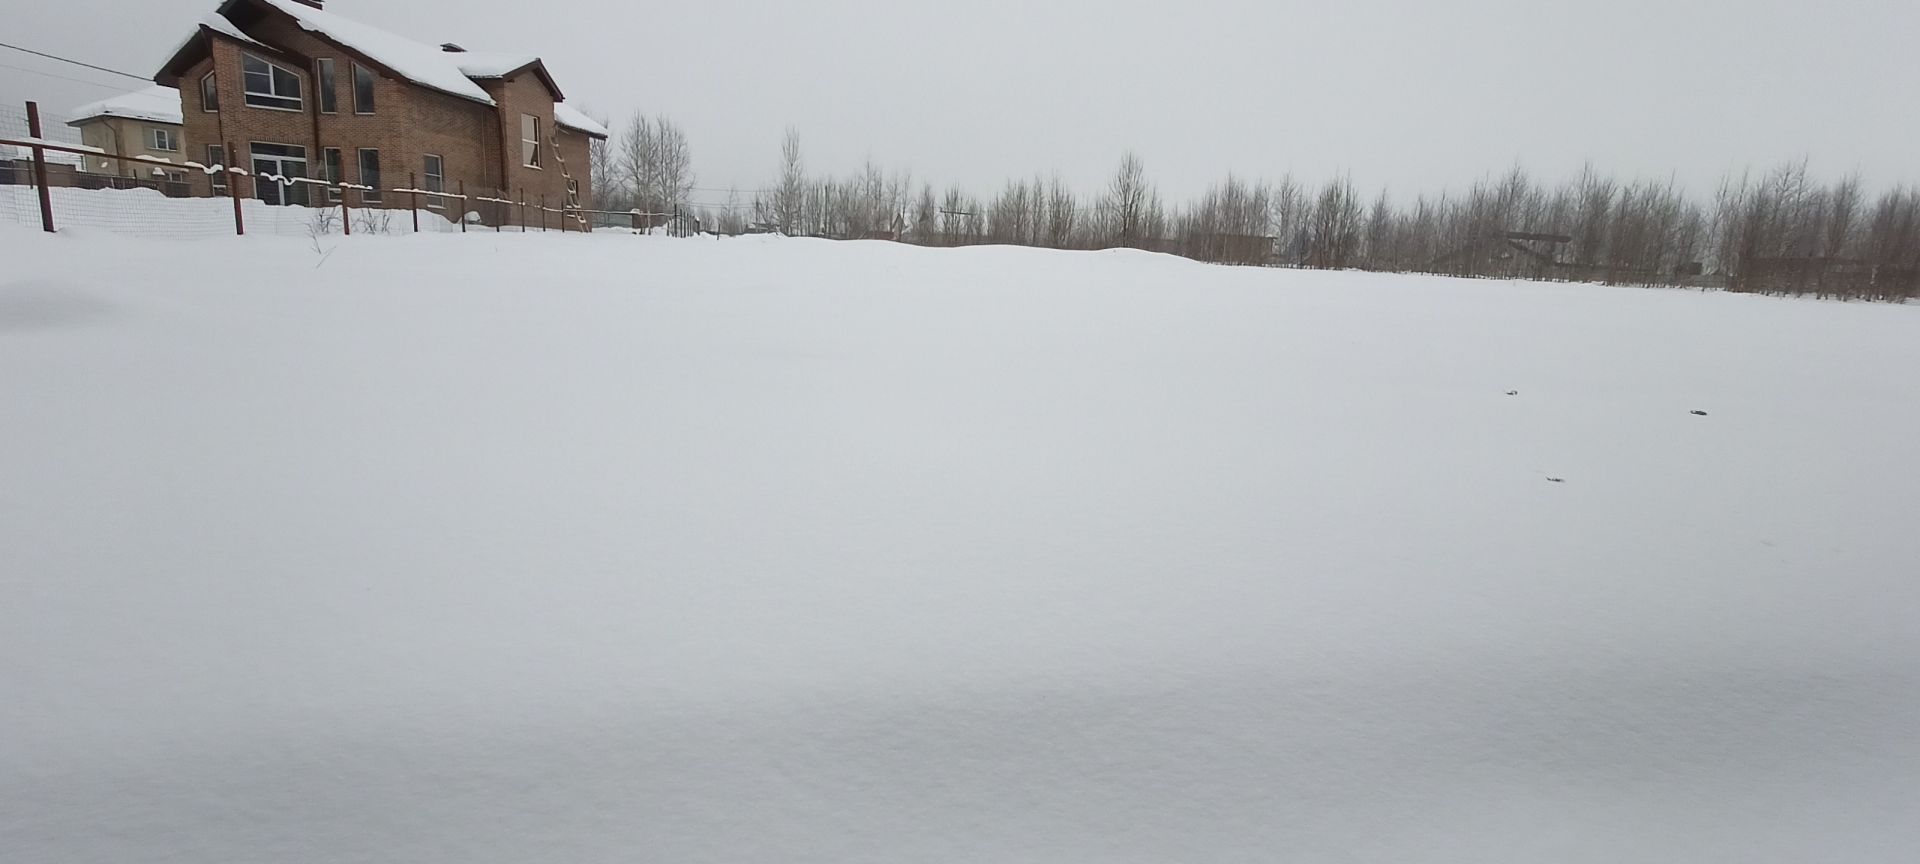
[152,187]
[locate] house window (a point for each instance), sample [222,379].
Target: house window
[436,181]
[163,140]
[209,93]
[330,162]
[283,161]
[362,89]
[370,175]
[529,140]
[323,85]
[217,160]
[270,86]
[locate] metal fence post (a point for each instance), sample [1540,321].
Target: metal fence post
[543,214]
[233,189]
[463,206]
[523,209]
[413,190]
[346,215]
[40,168]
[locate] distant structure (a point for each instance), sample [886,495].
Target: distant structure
[143,123]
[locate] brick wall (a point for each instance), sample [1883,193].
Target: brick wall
[477,143]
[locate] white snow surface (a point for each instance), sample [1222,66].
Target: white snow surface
[153,104]
[577,120]
[503,548]
[420,63]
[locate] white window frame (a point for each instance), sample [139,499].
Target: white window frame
[285,194]
[157,136]
[434,182]
[273,86]
[530,155]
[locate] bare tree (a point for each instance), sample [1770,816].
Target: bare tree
[1124,212]
[790,192]
[1334,232]
[601,164]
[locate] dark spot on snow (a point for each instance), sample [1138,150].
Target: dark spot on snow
[1556,480]
[1513,392]
[47,306]
[1698,413]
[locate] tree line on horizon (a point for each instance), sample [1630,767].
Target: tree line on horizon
[1781,231]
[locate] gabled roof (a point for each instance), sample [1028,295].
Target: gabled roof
[425,65]
[154,105]
[572,118]
[218,23]
[429,66]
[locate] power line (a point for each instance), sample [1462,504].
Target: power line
[114,87]
[76,62]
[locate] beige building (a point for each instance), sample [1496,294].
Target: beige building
[142,123]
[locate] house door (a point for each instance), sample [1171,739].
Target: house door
[284,160]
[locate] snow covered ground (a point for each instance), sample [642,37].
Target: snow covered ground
[501,548]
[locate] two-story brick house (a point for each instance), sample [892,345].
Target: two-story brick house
[305,92]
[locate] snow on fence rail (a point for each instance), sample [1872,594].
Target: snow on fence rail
[50,181]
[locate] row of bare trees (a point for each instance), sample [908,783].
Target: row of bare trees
[646,166]
[1781,231]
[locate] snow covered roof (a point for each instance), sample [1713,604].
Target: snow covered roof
[54,157]
[572,118]
[153,104]
[218,23]
[491,64]
[422,64]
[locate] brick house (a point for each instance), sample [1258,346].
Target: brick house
[305,92]
[142,123]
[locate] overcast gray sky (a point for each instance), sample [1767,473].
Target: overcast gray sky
[1414,95]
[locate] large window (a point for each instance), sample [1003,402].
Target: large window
[323,85]
[529,140]
[436,181]
[330,171]
[217,160]
[284,161]
[370,175]
[163,140]
[209,93]
[270,86]
[362,89]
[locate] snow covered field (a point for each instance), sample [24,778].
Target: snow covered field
[495,548]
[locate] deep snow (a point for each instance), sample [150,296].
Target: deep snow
[502,548]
